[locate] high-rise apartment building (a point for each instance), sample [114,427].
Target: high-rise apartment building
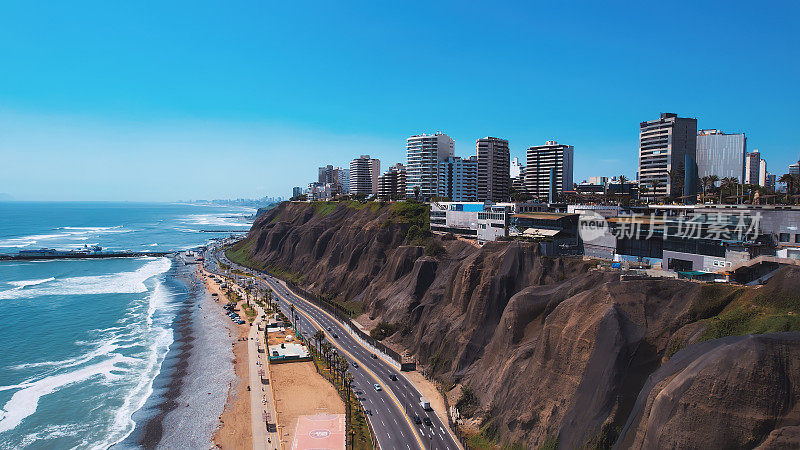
[458,179]
[755,170]
[423,154]
[364,172]
[336,177]
[549,168]
[297,191]
[664,145]
[493,169]
[721,154]
[794,169]
[392,183]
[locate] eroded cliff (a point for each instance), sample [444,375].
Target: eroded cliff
[553,348]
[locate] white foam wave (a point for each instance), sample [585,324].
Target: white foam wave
[25,283]
[25,401]
[117,283]
[52,432]
[69,233]
[215,220]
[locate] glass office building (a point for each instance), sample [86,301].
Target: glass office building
[721,154]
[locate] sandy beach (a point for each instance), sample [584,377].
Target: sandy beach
[234,431]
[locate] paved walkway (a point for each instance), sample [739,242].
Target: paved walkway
[262,407]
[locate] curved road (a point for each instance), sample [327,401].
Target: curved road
[394,407]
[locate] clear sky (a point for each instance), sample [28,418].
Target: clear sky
[188,100]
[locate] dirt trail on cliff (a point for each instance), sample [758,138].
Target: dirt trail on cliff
[552,348]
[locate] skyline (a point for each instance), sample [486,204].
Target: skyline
[124,104]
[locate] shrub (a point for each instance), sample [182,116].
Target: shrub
[382,330]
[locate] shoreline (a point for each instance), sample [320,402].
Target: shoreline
[195,374]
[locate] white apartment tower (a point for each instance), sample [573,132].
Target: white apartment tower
[493,169]
[364,172]
[549,165]
[424,152]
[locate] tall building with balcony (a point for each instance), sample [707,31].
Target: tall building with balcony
[458,179]
[424,152]
[493,169]
[721,154]
[664,145]
[549,170]
[364,172]
[392,183]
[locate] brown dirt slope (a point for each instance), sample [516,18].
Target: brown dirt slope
[551,347]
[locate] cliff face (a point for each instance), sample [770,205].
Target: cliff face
[550,347]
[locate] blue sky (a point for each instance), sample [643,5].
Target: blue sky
[188,100]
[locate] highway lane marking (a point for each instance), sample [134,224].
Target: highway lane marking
[388,390]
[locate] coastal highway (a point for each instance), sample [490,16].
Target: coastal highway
[394,407]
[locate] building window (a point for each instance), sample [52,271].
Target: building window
[797,238]
[783,237]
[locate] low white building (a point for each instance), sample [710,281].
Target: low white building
[483,222]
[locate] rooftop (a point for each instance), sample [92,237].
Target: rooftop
[543,215]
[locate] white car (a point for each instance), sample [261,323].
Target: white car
[377,386]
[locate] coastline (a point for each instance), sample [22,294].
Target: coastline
[190,391]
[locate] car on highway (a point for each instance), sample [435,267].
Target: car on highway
[377,386]
[329,328]
[393,377]
[417,420]
[427,421]
[355,364]
[374,356]
[335,336]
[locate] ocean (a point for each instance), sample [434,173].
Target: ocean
[92,348]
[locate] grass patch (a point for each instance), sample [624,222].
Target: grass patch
[755,312]
[712,299]
[467,402]
[324,208]
[550,443]
[410,213]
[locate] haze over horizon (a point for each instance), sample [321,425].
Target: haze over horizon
[153,101]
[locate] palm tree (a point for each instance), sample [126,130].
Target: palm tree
[727,184]
[789,180]
[704,185]
[712,181]
[656,184]
[326,349]
[319,336]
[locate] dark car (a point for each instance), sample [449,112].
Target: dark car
[335,336]
[374,356]
[329,328]
[354,364]
[427,421]
[417,420]
[393,377]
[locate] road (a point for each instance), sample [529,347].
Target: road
[394,407]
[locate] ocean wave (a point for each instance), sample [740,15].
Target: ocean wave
[25,401]
[69,233]
[25,283]
[117,283]
[216,220]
